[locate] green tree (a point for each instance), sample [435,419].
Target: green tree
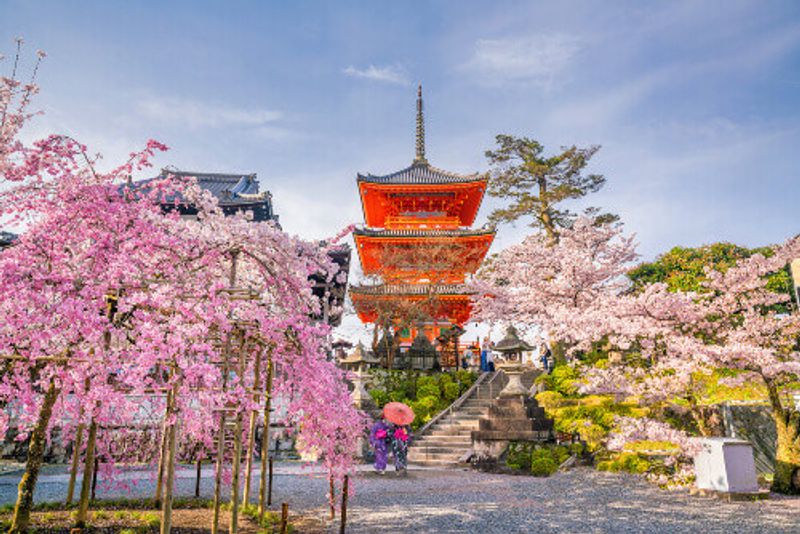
[684,268]
[536,185]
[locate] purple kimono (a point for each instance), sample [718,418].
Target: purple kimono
[380,439]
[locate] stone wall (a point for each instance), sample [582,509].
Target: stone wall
[753,423]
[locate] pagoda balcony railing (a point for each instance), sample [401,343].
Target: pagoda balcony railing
[411,289]
[415,222]
[424,232]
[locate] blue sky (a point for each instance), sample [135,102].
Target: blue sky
[694,103]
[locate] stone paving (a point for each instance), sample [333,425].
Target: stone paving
[450,501]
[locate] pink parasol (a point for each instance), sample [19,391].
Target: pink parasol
[398,413]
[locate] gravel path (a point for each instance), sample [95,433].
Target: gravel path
[581,500]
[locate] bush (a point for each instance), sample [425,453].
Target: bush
[451,392]
[539,460]
[628,462]
[428,390]
[518,456]
[543,467]
[426,394]
[379,396]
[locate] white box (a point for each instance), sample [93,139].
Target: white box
[726,465]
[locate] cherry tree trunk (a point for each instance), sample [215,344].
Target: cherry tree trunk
[169,482]
[86,483]
[162,451]
[22,510]
[787,455]
[76,460]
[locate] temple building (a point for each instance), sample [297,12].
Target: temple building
[418,245]
[241,193]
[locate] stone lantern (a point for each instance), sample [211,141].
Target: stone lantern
[512,347]
[359,361]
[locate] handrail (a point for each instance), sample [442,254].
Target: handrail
[454,406]
[497,375]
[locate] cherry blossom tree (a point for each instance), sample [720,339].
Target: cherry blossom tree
[106,299]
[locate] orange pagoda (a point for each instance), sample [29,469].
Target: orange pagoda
[418,245]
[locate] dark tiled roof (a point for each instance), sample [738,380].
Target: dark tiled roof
[234,192]
[6,239]
[228,188]
[461,232]
[420,173]
[411,289]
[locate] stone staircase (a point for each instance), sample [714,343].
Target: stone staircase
[447,439]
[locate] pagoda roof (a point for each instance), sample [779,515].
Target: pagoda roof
[424,233]
[421,173]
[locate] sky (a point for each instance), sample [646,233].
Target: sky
[695,104]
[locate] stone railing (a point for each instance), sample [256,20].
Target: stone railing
[484,377]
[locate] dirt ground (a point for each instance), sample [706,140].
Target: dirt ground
[195,521]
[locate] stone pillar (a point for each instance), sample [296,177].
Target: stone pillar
[514,388]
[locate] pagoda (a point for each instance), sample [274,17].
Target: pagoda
[419,245]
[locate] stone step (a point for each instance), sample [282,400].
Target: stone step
[452,441]
[458,425]
[529,435]
[436,463]
[450,431]
[445,449]
[457,442]
[414,456]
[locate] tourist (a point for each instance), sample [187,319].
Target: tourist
[466,358]
[380,440]
[490,360]
[401,434]
[485,354]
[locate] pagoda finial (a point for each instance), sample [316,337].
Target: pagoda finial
[420,157]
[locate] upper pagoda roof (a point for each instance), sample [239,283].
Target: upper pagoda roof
[421,173]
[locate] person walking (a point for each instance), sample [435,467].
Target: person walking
[400,440]
[485,355]
[380,440]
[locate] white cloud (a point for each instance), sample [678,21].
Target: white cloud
[389,74]
[536,60]
[196,114]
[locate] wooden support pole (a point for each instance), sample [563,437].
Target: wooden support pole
[226,353]
[76,460]
[269,490]
[251,433]
[343,513]
[94,477]
[332,497]
[169,482]
[162,452]
[88,463]
[218,472]
[76,453]
[265,500]
[284,517]
[197,480]
[237,450]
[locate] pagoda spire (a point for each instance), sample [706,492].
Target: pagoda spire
[420,156]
